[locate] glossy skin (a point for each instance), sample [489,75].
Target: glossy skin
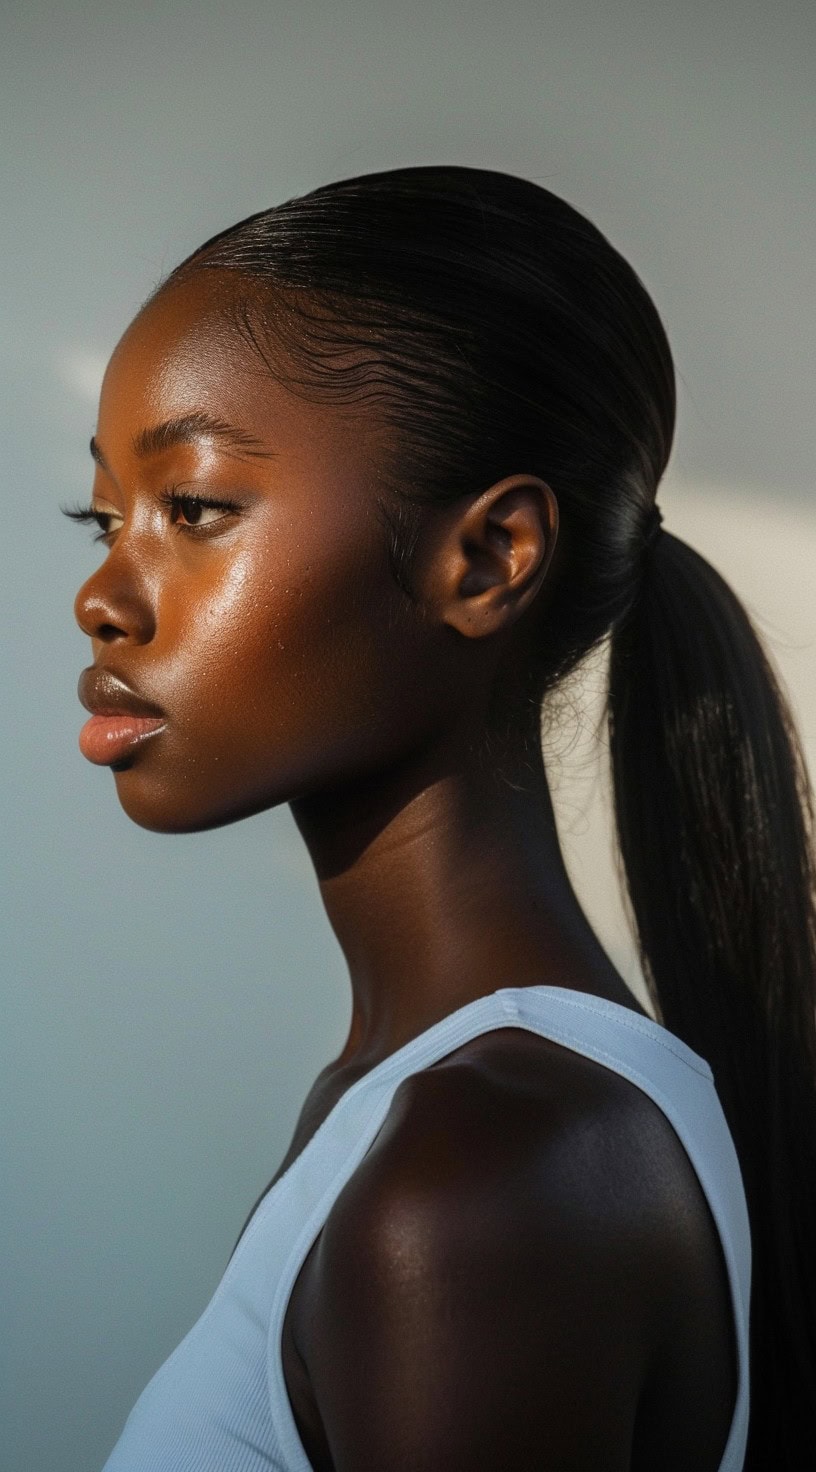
[292,668]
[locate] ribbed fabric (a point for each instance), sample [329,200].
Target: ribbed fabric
[219,1403]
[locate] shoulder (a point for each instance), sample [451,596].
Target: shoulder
[512,1227]
[528,1127]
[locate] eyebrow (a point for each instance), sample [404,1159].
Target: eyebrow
[185,430]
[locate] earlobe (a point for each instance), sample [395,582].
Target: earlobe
[500,549]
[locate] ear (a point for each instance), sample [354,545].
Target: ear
[494,556]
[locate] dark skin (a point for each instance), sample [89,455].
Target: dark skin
[523,1271]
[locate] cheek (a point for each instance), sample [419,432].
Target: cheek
[287,667]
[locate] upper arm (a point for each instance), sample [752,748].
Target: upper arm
[474,1306]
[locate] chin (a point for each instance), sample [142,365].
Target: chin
[179,810]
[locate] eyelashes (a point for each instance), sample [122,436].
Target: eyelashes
[87,513]
[171,497]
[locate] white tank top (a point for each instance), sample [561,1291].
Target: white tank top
[219,1403]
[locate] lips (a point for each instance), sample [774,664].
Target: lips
[105,694]
[122,722]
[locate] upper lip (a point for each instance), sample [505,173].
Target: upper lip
[104,693]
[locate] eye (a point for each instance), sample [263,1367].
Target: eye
[105,518]
[192,507]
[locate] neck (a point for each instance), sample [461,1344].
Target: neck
[443,880]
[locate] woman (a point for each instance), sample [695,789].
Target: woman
[376,469]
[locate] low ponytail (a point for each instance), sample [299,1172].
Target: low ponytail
[715,819]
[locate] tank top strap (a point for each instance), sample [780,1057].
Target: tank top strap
[678,1079]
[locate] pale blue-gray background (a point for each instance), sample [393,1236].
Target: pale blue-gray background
[167,1000]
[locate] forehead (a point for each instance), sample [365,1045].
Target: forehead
[183,355]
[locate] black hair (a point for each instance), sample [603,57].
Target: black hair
[494,329]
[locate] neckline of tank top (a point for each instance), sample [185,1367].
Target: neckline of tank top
[506,1003]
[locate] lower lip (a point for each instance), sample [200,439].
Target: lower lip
[106,739]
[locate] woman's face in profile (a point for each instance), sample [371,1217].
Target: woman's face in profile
[272,636]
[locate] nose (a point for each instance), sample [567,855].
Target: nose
[111,606]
